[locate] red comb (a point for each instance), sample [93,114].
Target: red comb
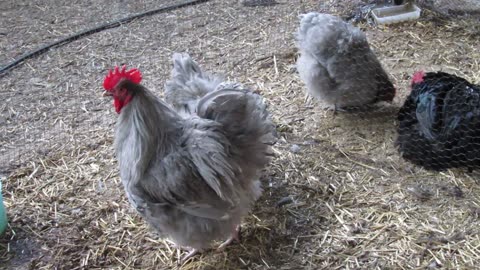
[113,77]
[418,77]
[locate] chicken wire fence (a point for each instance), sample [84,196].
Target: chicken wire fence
[49,115]
[360,10]
[453,8]
[39,123]
[52,112]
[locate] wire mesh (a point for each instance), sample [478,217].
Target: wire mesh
[438,123]
[18,144]
[436,128]
[345,159]
[453,9]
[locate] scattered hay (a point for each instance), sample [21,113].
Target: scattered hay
[352,202]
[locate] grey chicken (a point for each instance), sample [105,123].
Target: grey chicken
[192,177]
[337,64]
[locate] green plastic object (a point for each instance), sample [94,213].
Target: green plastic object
[3,213]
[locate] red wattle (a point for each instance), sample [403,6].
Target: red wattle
[119,103]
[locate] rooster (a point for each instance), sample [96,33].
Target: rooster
[192,177]
[439,123]
[337,64]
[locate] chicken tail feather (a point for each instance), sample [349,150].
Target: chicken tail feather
[188,83]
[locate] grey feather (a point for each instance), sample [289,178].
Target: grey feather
[188,83]
[193,176]
[337,64]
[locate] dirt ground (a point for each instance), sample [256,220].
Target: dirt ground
[355,204]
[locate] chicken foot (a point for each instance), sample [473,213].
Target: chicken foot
[191,252]
[235,236]
[189,255]
[337,109]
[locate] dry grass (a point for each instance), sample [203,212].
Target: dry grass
[354,203]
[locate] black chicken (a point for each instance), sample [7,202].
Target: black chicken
[439,124]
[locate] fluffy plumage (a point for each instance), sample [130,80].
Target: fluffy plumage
[439,123]
[188,83]
[337,64]
[192,177]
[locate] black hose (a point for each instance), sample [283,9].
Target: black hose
[90,31]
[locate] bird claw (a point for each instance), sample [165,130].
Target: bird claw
[176,246]
[337,109]
[225,244]
[235,236]
[307,100]
[189,255]
[191,252]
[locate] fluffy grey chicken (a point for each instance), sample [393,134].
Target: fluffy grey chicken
[337,64]
[192,177]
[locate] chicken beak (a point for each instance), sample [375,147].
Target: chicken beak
[107,94]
